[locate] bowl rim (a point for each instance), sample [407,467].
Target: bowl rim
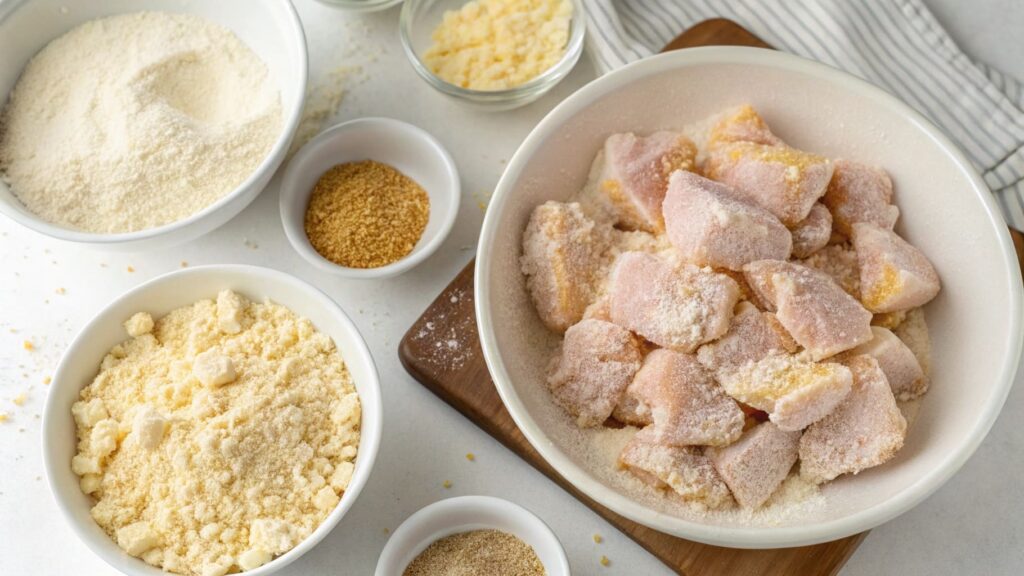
[398,543]
[741,536]
[269,164]
[540,83]
[290,193]
[365,459]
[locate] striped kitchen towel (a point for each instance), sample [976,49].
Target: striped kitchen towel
[895,44]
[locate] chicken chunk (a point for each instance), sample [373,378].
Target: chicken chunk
[711,226]
[893,274]
[812,233]
[865,430]
[683,469]
[752,336]
[755,466]
[840,263]
[562,251]
[686,405]
[898,363]
[819,315]
[742,124]
[785,181]
[860,193]
[676,306]
[631,184]
[793,391]
[597,361]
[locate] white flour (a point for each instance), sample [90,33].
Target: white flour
[136,121]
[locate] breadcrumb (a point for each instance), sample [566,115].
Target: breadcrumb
[605,561]
[28,345]
[20,399]
[470,456]
[447,484]
[598,539]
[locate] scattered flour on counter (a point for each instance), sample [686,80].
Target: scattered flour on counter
[136,121]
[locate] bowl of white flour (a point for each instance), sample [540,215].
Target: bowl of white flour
[135,125]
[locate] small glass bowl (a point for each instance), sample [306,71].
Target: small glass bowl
[420,18]
[360,5]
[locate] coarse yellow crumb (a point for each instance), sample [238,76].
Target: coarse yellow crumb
[131,269]
[47,380]
[61,291]
[605,561]
[470,456]
[598,539]
[184,264]
[28,345]
[447,484]
[20,399]
[4,416]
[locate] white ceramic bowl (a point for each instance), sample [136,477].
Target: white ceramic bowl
[945,209]
[271,28]
[463,514]
[158,297]
[407,148]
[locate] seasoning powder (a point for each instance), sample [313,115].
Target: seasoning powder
[490,552]
[366,214]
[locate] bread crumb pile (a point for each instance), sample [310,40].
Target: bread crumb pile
[217,437]
[136,121]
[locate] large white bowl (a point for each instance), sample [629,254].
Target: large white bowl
[271,28]
[946,210]
[159,296]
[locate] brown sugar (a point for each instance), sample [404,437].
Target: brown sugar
[490,552]
[366,214]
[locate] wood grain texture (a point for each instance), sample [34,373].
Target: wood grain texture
[459,377]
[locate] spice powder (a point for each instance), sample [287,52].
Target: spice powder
[490,552]
[366,214]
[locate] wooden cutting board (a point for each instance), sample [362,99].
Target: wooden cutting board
[458,375]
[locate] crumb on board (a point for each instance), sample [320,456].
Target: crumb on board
[4,417]
[20,399]
[447,484]
[605,561]
[28,345]
[131,269]
[184,264]
[470,456]
[598,539]
[47,380]
[61,291]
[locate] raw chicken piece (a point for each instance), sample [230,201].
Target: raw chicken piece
[711,226]
[785,181]
[840,263]
[631,186]
[686,405]
[812,233]
[631,409]
[819,315]
[752,336]
[913,331]
[860,193]
[890,320]
[757,464]
[865,430]
[598,360]
[562,251]
[677,306]
[684,469]
[898,363]
[893,274]
[742,124]
[793,391]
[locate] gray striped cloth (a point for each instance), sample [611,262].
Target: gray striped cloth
[895,44]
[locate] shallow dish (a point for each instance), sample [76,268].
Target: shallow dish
[360,5]
[159,296]
[271,28]
[407,148]
[946,210]
[465,513]
[420,17]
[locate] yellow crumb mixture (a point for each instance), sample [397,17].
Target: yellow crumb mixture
[217,437]
[499,44]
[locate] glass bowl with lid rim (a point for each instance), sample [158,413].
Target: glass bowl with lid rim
[418,20]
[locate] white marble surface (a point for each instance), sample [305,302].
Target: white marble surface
[973,525]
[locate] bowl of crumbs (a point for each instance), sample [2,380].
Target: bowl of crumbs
[369,198]
[747,299]
[134,125]
[214,420]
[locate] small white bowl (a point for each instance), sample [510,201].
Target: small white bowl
[465,513]
[407,148]
[271,28]
[158,297]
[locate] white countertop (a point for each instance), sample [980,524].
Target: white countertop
[972,525]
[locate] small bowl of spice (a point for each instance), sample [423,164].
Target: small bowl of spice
[369,198]
[472,535]
[493,54]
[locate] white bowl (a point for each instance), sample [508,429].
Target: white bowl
[405,147]
[271,28]
[945,209]
[159,296]
[465,513]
